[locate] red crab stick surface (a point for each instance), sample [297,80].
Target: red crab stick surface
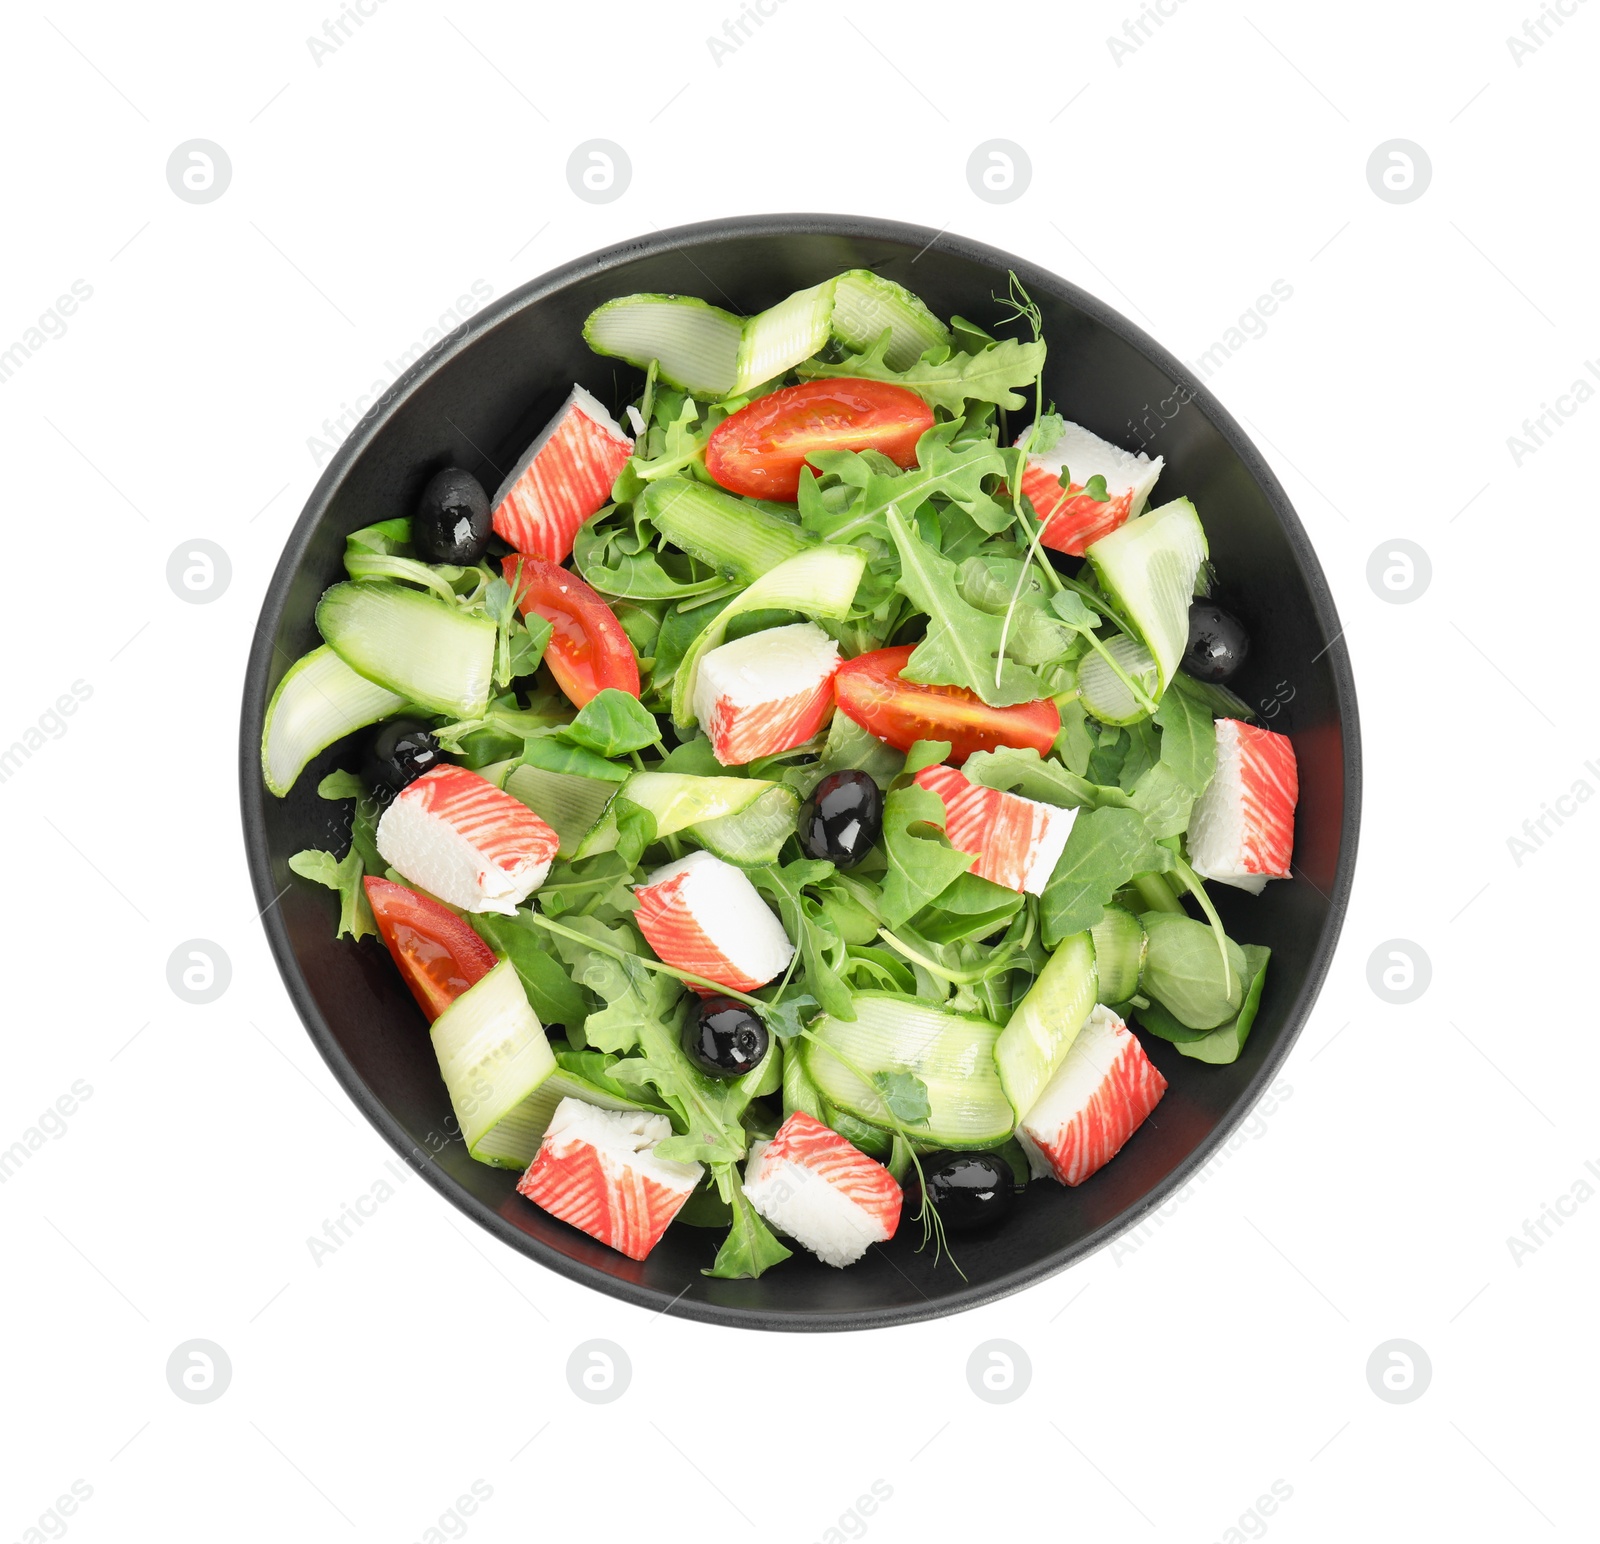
[704,916]
[597,1170]
[1097,1099]
[1017,841]
[1072,520]
[562,479]
[823,1191]
[1242,830]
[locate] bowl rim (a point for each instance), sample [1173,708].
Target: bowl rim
[253,794]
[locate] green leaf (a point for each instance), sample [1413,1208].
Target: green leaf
[790,1014]
[598,886]
[343,875]
[1012,589]
[341,785]
[1047,431]
[922,863]
[750,1247]
[925,753]
[634,996]
[1188,740]
[851,492]
[1184,971]
[991,375]
[1106,848]
[1022,770]
[550,990]
[810,929]
[556,754]
[962,646]
[613,723]
[619,553]
[904,1094]
[1224,1043]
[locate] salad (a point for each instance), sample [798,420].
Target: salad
[785,798]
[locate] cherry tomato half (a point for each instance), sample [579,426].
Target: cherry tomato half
[870,691]
[589,649]
[438,953]
[759,450]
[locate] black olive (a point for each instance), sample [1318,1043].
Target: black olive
[451,524]
[725,1038]
[1218,643]
[397,753]
[842,818]
[971,1190]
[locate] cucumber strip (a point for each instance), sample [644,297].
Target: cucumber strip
[492,1054]
[1148,568]
[1044,1024]
[570,805]
[603,838]
[1118,953]
[678,799]
[819,582]
[754,836]
[383,565]
[865,305]
[436,654]
[874,1141]
[319,700]
[737,538]
[783,335]
[514,1142]
[1104,693]
[952,1053]
[695,346]
[799,1092]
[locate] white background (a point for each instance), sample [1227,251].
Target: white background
[1171,1384]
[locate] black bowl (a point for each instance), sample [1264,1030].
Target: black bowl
[475,400]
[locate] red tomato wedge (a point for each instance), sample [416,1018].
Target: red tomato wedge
[759,450]
[870,691]
[589,650]
[439,955]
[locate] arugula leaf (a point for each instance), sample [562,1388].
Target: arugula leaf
[596,886]
[922,863]
[1004,586]
[856,489]
[551,992]
[947,380]
[1105,849]
[1188,740]
[1184,971]
[790,1014]
[750,1247]
[634,996]
[343,875]
[341,785]
[613,723]
[811,929]
[1021,769]
[925,753]
[904,1095]
[962,646]
[619,554]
